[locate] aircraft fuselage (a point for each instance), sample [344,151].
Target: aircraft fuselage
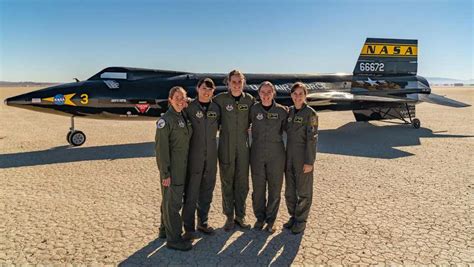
[101,97]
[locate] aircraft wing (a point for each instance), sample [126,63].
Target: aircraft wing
[410,98]
[346,96]
[438,99]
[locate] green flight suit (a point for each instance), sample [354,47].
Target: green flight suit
[233,151]
[172,142]
[302,132]
[202,166]
[267,159]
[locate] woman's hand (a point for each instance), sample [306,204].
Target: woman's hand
[166,182]
[307,168]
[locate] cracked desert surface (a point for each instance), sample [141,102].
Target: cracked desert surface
[384,194]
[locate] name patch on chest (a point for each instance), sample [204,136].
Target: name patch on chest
[243,107]
[298,119]
[212,114]
[272,116]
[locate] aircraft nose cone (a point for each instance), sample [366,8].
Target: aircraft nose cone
[16,100]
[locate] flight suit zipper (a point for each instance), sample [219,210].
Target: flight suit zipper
[237,122]
[205,132]
[265,124]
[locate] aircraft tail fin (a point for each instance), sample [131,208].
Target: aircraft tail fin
[387,57]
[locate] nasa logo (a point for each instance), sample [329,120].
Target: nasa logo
[59,100]
[259,116]
[390,49]
[181,124]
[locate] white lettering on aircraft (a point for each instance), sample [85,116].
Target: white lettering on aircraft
[286,87]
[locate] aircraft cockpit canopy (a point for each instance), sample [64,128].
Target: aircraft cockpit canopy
[133,74]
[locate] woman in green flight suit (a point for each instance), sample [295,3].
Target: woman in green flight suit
[267,156]
[233,151]
[172,143]
[302,132]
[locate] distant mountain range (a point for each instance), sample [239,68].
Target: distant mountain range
[26,84]
[439,80]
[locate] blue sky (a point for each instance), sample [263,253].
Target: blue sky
[59,40]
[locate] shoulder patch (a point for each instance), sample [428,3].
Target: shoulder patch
[314,120]
[160,123]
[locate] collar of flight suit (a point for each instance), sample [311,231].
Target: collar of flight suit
[198,104]
[242,96]
[301,109]
[173,111]
[272,106]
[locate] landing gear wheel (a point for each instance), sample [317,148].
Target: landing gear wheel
[76,138]
[67,136]
[416,123]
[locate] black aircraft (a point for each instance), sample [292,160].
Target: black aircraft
[384,85]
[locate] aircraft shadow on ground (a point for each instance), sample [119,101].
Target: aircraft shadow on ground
[367,140]
[352,139]
[250,248]
[65,154]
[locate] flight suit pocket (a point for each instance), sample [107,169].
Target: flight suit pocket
[223,150]
[196,164]
[178,179]
[178,170]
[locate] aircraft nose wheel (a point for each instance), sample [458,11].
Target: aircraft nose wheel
[75,138]
[416,123]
